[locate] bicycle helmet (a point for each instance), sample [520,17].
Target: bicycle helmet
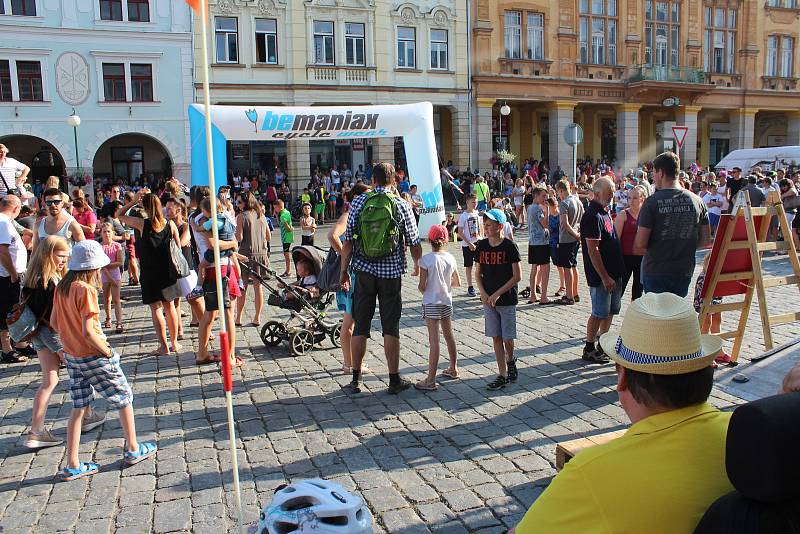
[317,506]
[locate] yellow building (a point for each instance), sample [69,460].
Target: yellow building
[340,52]
[629,70]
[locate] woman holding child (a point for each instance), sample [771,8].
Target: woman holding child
[160,286]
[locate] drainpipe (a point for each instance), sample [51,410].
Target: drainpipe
[469,84]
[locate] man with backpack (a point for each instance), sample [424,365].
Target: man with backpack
[379,227]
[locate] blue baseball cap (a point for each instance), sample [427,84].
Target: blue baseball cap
[496,215]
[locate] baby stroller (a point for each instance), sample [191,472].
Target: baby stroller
[308,324]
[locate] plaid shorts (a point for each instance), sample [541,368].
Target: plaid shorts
[101,374]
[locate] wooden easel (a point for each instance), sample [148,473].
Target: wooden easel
[731,275]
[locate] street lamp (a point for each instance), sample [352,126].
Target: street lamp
[74,120]
[505,111]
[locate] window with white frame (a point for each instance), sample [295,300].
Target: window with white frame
[141,82]
[789,4]
[29,79]
[227,39]
[535,36]
[661,33]
[114,82]
[6,94]
[787,56]
[20,8]
[354,43]
[406,47]
[138,10]
[512,31]
[780,56]
[719,40]
[124,10]
[597,35]
[125,81]
[267,41]
[111,10]
[21,80]
[324,43]
[439,50]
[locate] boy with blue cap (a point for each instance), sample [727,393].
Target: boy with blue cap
[497,260]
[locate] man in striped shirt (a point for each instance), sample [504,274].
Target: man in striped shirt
[13,172]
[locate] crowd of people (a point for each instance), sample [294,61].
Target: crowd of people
[641,229]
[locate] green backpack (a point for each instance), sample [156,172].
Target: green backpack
[377,233]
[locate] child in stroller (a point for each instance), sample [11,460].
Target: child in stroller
[306,284]
[309,323]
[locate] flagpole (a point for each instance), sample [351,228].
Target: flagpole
[226,355]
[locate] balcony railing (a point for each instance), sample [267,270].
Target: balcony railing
[666,74]
[343,75]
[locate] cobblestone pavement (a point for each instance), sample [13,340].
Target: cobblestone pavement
[460,459]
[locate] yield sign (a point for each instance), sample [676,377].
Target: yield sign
[680,134]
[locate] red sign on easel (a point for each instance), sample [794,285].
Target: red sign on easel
[680,134]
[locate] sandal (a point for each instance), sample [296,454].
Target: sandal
[565,300]
[85,469]
[214,358]
[107,324]
[146,450]
[723,358]
[559,292]
[424,385]
[449,373]
[546,302]
[120,328]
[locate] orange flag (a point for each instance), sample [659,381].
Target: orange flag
[195,4]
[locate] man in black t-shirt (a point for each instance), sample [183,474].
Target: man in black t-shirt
[673,224]
[604,266]
[734,183]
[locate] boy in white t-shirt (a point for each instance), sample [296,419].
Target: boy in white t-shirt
[438,275]
[714,202]
[470,231]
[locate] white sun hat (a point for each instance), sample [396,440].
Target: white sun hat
[87,255]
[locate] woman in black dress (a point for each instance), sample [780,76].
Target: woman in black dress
[160,285]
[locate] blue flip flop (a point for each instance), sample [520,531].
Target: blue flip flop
[146,450]
[83,470]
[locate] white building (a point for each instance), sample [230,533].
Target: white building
[125,66]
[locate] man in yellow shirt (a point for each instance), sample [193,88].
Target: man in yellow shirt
[662,475]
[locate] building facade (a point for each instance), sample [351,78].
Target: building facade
[123,66]
[340,52]
[629,70]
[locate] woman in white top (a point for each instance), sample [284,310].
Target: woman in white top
[518,194]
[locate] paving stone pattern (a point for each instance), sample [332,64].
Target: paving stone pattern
[461,459]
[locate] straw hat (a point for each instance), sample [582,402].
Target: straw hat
[661,335]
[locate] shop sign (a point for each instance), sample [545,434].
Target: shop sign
[671,102]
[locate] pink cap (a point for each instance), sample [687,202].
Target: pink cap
[438,233]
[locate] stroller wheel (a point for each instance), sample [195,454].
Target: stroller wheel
[336,335]
[272,333]
[302,342]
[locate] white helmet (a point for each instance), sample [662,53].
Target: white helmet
[316,506]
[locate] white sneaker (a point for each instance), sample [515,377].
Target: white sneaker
[92,420]
[39,440]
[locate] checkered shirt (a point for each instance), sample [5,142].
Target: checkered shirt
[393,265]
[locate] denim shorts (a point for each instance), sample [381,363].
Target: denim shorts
[500,321]
[605,304]
[45,338]
[344,299]
[97,373]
